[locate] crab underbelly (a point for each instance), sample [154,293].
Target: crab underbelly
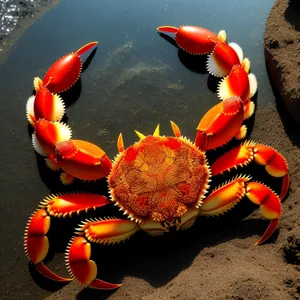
[159,178]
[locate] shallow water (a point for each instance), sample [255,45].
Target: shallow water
[135,80]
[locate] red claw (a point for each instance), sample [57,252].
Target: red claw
[192,39]
[64,72]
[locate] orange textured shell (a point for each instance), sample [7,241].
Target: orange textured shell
[159,178]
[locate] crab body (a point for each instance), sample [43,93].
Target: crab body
[160,182]
[159,179]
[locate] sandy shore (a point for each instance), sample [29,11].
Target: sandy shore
[28,13]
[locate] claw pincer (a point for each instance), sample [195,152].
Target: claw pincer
[64,72]
[192,39]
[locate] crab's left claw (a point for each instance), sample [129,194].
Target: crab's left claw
[78,254]
[220,124]
[64,72]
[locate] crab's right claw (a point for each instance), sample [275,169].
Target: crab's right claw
[193,39]
[168,30]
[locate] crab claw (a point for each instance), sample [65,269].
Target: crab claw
[221,123]
[82,159]
[48,134]
[64,72]
[44,105]
[193,39]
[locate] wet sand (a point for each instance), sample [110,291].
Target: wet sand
[27,14]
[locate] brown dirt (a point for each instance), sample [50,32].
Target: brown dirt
[282,50]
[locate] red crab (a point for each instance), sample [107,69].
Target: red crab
[160,182]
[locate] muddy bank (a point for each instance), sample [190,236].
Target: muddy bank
[282,50]
[15,17]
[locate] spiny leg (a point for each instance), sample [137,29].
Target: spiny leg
[78,254]
[275,164]
[36,242]
[222,199]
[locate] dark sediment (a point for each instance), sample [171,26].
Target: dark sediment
[282,50]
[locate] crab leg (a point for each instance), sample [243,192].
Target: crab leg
[78,254]
[80,159]
[48,134]
[227,196]
[274,162]
[36,241]
[64,72]
[220,124]
[44,105]
[223,58]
